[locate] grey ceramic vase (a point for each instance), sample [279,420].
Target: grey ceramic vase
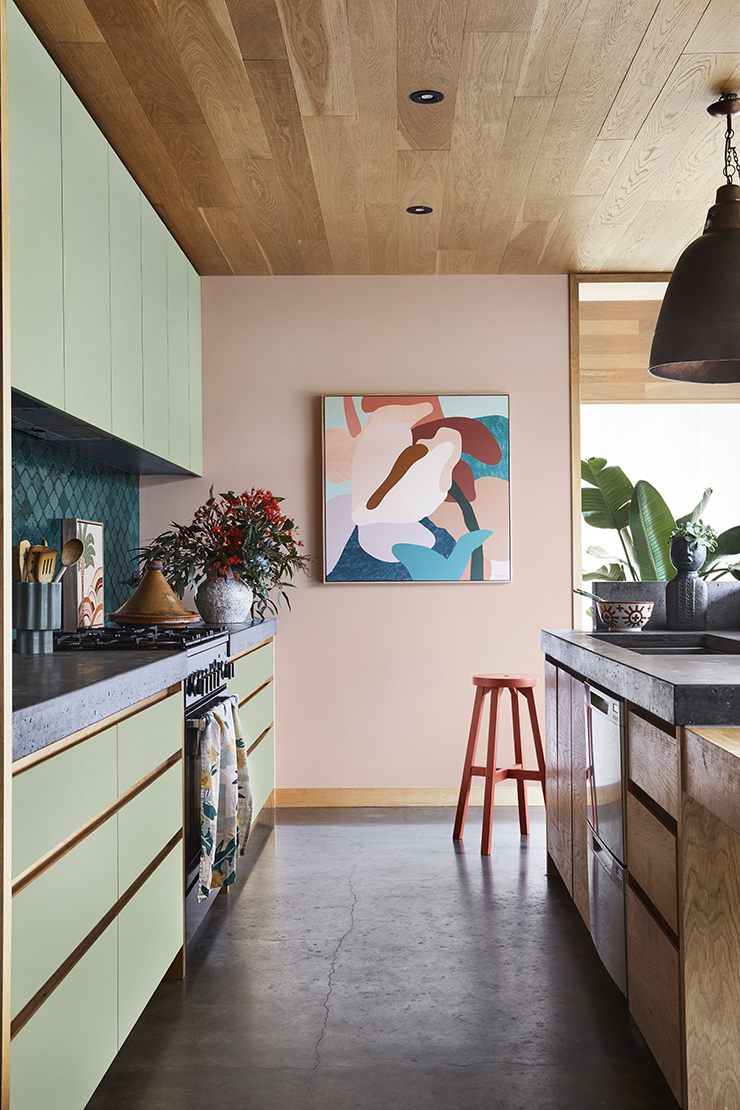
[224,600]
[686,594]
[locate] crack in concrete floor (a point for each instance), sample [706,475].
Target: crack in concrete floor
[330,987]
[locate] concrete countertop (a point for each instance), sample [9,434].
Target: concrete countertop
[682,690]
[58,694]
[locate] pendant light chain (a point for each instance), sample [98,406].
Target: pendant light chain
[732,164]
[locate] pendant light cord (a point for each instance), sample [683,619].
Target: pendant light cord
[732,164]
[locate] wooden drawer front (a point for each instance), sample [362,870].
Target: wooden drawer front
[653,762]
[146,824]
[60,1056]
[652,973]
[54,798]
[150,934]
[147,739]
[262,772]
[257,714]
[251,671]
[57,910]
[651,859]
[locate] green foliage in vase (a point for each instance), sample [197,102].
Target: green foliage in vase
[645,525]
[696,532]
[244,535]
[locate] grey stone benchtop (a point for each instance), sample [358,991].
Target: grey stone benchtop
[55,695]
[683,690]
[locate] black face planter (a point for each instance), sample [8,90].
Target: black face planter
[686,594]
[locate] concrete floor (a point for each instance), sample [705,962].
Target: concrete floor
[367,963]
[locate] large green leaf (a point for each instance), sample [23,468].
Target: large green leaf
[613,572]
[599,553]
[651,524]
[607,505]
[698,510]
[728,543]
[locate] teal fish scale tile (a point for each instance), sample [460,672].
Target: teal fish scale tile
[51,482]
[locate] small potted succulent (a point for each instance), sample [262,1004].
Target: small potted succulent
[686,595]
[237,550]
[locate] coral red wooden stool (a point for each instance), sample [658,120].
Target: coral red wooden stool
[518,685]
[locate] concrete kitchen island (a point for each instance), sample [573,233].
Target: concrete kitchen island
[681,775]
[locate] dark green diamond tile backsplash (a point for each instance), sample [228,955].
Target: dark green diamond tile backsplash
[51,483]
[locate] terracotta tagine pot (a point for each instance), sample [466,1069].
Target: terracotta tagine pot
[153,602]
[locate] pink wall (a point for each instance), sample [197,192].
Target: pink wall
[374,681]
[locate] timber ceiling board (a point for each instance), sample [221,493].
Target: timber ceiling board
[277,136]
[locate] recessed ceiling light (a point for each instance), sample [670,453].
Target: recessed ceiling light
[427,96]
[419,209]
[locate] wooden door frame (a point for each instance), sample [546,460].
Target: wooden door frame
[6,641]
[575,280]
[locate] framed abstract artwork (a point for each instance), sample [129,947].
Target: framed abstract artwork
[83,602]
[416,488]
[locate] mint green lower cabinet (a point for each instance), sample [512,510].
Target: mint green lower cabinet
[85,225]
[195,358]
[53,799]
[150,934]
[146,824]
[60,1056]
[154,292]
[147,739]
[58,909]
[35,210]
[262,771]
[257,714]
[127,373]
[252,670]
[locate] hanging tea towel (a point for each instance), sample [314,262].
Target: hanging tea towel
[226,800]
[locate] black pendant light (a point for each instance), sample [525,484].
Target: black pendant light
[697,336]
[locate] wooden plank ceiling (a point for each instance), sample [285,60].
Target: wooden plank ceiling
[277,136]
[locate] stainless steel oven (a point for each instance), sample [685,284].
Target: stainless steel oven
[606,805]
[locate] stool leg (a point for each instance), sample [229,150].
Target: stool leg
[521,786]
[535,723]
[485,841]
[462,802]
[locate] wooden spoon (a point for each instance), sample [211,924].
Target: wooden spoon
[70,555]
[23,547]
[32,561]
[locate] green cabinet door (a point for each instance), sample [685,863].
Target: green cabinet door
[87,381]
[154,294]
[251,671]
[148,739]
[146,824]
[150,934]
[261,765]
[127,374]
[60,1056]
[177,354]
[195,361]
[36,288]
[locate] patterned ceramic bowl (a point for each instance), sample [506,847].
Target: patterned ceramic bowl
[625,616]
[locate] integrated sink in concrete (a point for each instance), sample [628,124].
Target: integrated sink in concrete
[672,643]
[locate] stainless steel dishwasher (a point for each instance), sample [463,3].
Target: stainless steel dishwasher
[605,734]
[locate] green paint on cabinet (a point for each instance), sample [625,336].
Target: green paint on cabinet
[154,292]
[148,739]
[127,374]
[58,909]
[258,714]
[251,671]
[60,1056]
[178,354]
[195,362]
[35,152]
[57,797]
[150,934]
[87,381]
[146,824]
[262,771]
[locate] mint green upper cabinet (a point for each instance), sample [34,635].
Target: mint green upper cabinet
[177,354]
[196,387]
[154,292]
[127,375]
[34,134]
[86,265]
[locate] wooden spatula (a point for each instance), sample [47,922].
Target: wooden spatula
[46,565]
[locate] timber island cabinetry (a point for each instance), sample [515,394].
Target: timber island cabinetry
[682,865]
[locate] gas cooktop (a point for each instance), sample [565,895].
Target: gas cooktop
[161,638]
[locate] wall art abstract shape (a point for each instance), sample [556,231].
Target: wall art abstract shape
[83,600]
[416,488]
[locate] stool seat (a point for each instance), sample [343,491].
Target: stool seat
[492,686]
[506,681]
